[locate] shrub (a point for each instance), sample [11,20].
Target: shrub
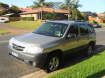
[27,18]
[14,18]
[76,15]
[49,16]
[95,22]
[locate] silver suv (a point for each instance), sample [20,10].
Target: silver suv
[51,41]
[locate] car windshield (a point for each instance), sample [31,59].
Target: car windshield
[52,29]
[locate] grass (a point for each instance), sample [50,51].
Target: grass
[103,24]
[25,24]
[4,32]
[93,67]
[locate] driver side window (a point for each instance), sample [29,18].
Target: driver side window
[73,30]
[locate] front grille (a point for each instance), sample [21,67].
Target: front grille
[17,47]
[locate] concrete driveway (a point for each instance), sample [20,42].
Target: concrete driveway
[10,67]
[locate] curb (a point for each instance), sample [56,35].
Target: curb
[39,74]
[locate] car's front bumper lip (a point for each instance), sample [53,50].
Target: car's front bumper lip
[38,58]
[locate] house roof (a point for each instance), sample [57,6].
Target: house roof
[102,14]
[6,15]
[25,9]
[3,9]
[45,10]
[90,14]
[29,12]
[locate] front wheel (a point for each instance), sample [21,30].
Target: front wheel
[53,63]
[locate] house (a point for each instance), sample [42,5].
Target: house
[94,17]
[88,13]
[101,15]
[3,9]
[36,13]
[97,19]
[25,9]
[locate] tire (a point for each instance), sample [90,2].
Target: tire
[90,50]
[53,63]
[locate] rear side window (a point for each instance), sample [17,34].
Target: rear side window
[83,29]
[90,29]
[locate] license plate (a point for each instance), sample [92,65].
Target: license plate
[15,54]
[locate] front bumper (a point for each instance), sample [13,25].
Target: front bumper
[36,58]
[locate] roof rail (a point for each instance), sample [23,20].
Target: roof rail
[80,21]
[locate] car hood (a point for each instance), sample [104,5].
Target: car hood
[37,40]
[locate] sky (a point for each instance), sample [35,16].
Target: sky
[97,6]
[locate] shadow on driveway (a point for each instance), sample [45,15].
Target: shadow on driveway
[79,57]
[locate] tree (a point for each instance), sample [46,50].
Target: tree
[4,8]
[15,10]
[77,15]
[85,17]
[71,5]
[38,4]
[3,12]
[49,16]
[2,5]
[41,4]
[102,17]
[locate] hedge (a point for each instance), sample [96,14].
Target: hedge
[27,18]
[14,18]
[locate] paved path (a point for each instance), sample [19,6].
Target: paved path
[100,29]
[14,30]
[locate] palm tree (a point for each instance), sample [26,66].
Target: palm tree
[41,4]
[70,4]
[67,4]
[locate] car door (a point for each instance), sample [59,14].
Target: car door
[83,35]
[71,40]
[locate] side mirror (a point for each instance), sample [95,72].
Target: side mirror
[71,35]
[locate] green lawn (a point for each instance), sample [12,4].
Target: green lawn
[93,67]
[103,24]
[25,24]
[3,32]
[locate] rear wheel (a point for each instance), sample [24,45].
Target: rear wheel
[90,50]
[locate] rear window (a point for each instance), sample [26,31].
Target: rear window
[90,28]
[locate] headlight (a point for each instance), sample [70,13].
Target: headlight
[33,50]
[11,41]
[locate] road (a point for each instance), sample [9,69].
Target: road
[13,68]
[14,30]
